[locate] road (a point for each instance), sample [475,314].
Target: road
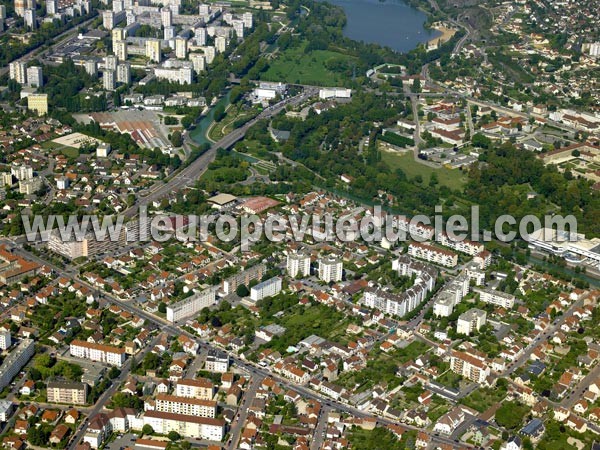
[190,174]
[253,370]
[238,423]
[59,39]
[321,428]
[107,395]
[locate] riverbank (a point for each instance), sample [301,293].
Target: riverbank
[447,34]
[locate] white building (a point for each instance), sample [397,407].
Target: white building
[335,92]
[108,354]
[433,254]
[181,75]
[186,406]
[498,298]
[108,80]
[471,321]
[267,288]
[190,306]
[330,269]
[120,49]
[15,361]
[187,426]
[181,47]
[5,339]
[298,264]
[220,44]
[166,17]
[217,361]
[124,73]
[17,71]
[200,388]
[35,76]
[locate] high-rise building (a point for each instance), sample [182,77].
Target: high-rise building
[298,264]
[470,321]
[238,27]
[203,9]
[153,50]
[17,71]
[108,19]
[110,62]
[35,77]
[169,33]
[120,50]
[247,18]
[118,6]
[91,67]
[166,17]
[198,62]
[200,36]
[108,80]
[181,47]
[51,7]
[117,34]
[330,269]
[20,7]
[2,12]
[124,73]
[38,103]
[30,19]
[220,44]
[5,339]
[209,54]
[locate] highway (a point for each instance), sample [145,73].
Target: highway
[190,174]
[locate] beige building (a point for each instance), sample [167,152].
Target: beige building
[67,392]
[38,103]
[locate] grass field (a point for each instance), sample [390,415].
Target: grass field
[454,179]
[295,66]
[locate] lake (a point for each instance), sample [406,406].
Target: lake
[391,23]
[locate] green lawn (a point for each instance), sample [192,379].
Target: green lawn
[70,152]
[295,66]
[454,179]
[482,399]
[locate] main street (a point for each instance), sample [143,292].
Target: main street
[252,369]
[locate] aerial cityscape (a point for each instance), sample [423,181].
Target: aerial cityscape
[299,224]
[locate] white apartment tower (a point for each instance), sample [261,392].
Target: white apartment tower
[5,339]
[124,73]
[198,62]
[108,80]
[120,49]
[166,17]
[330,269]
[181,47]
[91,67]
[30,19]
[298,265]
[35,77]
[110,62]
[51,7]
[153,50]
[18,71]
[220,44]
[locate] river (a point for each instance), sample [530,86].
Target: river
[390,23]
[198,134]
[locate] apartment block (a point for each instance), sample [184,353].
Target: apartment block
[244,277]
[187,426]
[67,392]
[497,298]
[186,405]
[15,361]
[298,264]
[471,321]
[433,254]
[201,388]
[217,361]
[330,269]
[108,354]
[190,306]
[469,366]
[267,288]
